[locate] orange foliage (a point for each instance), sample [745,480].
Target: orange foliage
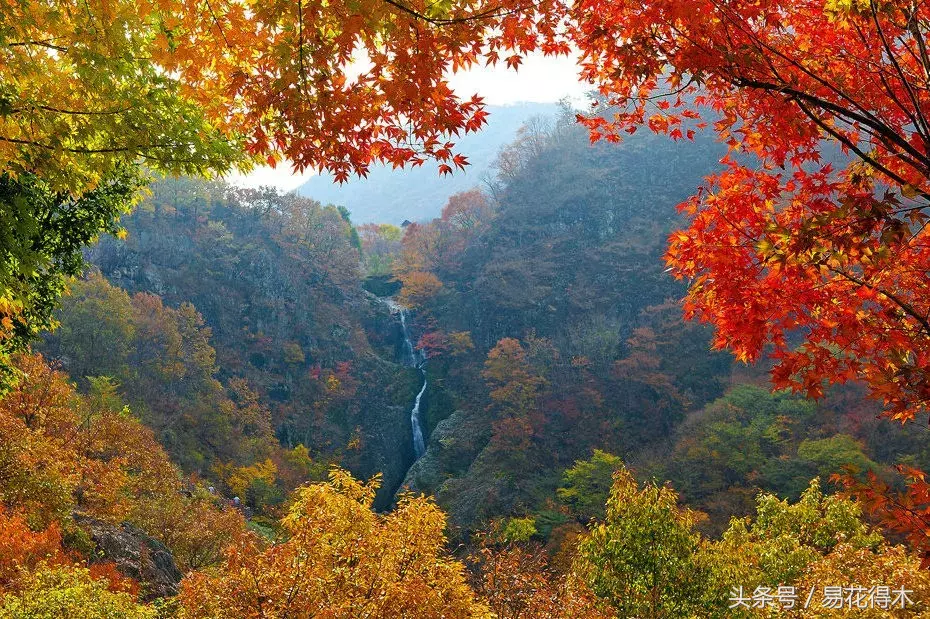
[418,287]
[906,512]
[513,382]
[517,583]
[23,550]
[326,84]
[511,435]
[197,530]
[433,344]
[39,463]
[58,454]
[116,581]
[791,245]
[466,211]
[515,387]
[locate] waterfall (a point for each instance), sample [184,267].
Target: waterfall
[419,446]
[413,359]
[409,350]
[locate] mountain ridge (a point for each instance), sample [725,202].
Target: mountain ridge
[417,194]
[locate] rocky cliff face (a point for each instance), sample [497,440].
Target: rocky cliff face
[386,397]
[135,554]
[451,452]
[386,443]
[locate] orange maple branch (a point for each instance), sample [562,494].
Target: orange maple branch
[218,25]
[882,130]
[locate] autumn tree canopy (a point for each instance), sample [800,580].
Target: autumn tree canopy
[340,559]
[184,85]
[820,260]
[781,242]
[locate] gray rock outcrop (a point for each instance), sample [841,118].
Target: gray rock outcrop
[135,554]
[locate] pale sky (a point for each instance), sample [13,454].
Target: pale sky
[539,80]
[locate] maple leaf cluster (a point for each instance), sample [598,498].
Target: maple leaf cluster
[199,86]
[824,264]
[815,255]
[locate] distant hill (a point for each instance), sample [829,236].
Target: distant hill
[391,196]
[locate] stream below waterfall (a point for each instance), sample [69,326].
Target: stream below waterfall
[412,358]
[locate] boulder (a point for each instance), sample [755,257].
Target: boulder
[451,448]
[135,554]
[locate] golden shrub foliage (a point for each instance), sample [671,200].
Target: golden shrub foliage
[340,559]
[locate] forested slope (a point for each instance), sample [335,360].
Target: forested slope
[236,324]
[267,287]
[575,340]
[242,328]
[553,329]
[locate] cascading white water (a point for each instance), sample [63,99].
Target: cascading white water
[409,351]
[414,359]
[419,446]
